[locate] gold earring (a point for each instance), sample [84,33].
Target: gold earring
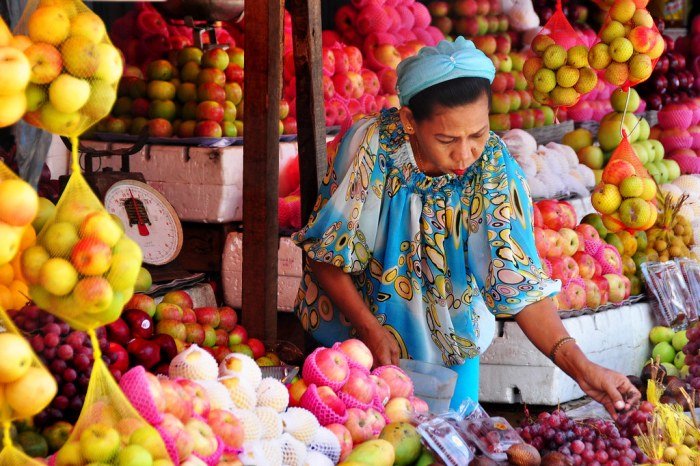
[409,128]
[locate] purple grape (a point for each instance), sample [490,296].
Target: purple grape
[65,352]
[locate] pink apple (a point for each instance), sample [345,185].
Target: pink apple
[330,399]
[199,397]
[344,438]
[568,215]
[554,244]
[387,55]
[175,429]
[156,391]
[342,62]
[371,81]
[576,294]
[359,425]
[376,420]
[358,352]
[586,264]
[327,58]
[343,85]
[616,287]
[570,242]
[537,219]
[177,401]
[332,364]
[564,268]
[205,442]
[419,404]
[328,87]
[541,242]
[359,386]
[227,426]
[628,285]
[354,58]
[588,231]
[399,410]
[358,85]
[592,294]
[552,214]
[400,384]
[387,81]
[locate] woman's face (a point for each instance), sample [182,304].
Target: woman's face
[451,139]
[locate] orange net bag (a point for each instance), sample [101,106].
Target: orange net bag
[75,67]
[628,44]
[625,195]
[27,387]
[558,72]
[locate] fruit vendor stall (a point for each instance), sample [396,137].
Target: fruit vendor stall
[148,281]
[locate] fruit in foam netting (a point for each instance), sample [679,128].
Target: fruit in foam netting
[195,364]
[241,365]
[300,424]
[242,393]
[272,393]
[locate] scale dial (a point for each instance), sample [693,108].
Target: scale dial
[148,219]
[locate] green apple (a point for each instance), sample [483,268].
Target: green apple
[661,334]
[102,97]
[124,271]
[134,455]
[55,121]
[591,156]
[644,129]
[640,149]
[148,438]
[679,340]
[110,66]
[69,455]
[36,96]
[99,442]
[69,94]
[59,239]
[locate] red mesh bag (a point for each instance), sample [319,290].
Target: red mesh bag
[557,70]
[628,44]
[626,193]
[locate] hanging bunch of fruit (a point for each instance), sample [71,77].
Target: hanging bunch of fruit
[671,235]
[15,71]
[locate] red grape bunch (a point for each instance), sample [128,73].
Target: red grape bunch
[66,353]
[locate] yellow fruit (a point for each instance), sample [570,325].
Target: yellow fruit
[540,43]
[541,97]
[621,49]
[577,56]
[15,357]
[606,198]
[10,238]
[640,67]
[622,10]
[6,274]
[32,259]
[12,108]
[545,80]
[554,57]
[567,76]
[5,297]
[19,202]
[531,66]
[20,294]
[658,49]
[28,238]
[49,24]
[39,383]
[564,96]
[612,31]
[587,80]
[617,74]
[612,222]
[58,276]
[649,191]
[599,56]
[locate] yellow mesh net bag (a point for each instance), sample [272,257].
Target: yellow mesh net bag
[109,430]
[27,387]
[13,102]
[75,67]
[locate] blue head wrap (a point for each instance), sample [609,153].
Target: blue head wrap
[445,61]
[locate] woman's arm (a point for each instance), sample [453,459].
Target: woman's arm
[542,325]
[341,290]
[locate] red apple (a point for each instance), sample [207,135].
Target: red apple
[570,242]
[119,357]
[167,345]
[588,231]
[207,316]
[564,268]
[354,58]
[554,243]
[586,264]
[142,302]
[552,214]
[342,62]
[119,332]
[399,383]
[238,335]
[144,352]
[359,386]
[344,438]
[221,337]
[538,221]
[370,82]
[198,396]
[228,427]
[358,352]
[332,364]
[177,402]
[359,425]
[330,399]
[139,323]
[258,347]
[220,352]
[234,74]
[568,215]
[189,316]
[195,334]
[227,318]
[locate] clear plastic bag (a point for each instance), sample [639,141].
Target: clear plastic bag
[672,300]
[690,270]
[441,437]
[493,436]
[77,84]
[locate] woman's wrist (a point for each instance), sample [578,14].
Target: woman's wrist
[571,360]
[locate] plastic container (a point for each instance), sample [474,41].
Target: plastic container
[445,442]
[433,383]
[493,436]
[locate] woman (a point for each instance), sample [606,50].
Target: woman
[423,225]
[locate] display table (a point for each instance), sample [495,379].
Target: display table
[514,371]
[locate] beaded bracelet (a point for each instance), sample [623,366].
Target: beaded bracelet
[557,346]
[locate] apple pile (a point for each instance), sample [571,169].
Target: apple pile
[558,75]
[469,18]
[75,69]
[591,106]
[339,389]
[679,132]
[15,72]
[629,44]
[670,349]
[83,267]
[590,271]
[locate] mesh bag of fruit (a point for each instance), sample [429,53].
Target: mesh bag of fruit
[557,71]
[626,193]
[27,387]
[628,44]
[109,430]
[75,67]
[19,204]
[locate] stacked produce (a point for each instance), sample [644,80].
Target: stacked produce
[669,350]
[592,106]
[470,18]
[671,80]
[15,71]
[552,170]
[679,132]
[672,234]
[629,45]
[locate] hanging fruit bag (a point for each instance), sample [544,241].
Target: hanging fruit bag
[27,387]
[626,192]
[628,44]
[75,67]
[558,71]
[19,204]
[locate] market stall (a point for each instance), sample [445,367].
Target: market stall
[148,283]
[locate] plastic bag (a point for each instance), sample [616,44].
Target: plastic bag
[691,274]
[83,267]
[22,374]
[672,300]
[76,85]
[628,45]
[493,436]
[109,430]
[626,192]
[558,72]
[441,437]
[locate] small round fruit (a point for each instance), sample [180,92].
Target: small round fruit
[15,357]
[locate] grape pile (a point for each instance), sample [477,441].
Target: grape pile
[68,356]
[692,355]
[585,442]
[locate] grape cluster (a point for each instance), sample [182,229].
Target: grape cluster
[692,355]
[68,356]
[594,442]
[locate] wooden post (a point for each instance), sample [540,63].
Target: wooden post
[311,119]
[263,63]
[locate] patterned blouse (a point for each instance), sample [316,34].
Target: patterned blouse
[431,256]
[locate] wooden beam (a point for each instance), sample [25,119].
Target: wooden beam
[262,83]
[311,119]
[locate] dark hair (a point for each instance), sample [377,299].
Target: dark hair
[450,94]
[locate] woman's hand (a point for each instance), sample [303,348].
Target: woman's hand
[612,389]
[381,343]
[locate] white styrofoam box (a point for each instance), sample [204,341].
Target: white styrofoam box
[212,203]
[202,295]
[514,371]
[289,271]
[582,205]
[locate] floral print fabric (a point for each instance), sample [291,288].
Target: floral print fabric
[431,256]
